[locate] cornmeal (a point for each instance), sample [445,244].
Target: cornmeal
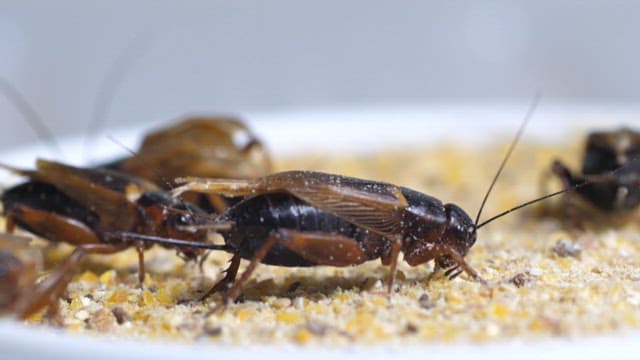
[545,278]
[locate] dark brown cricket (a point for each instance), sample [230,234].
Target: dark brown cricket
[82,207]
[611,166]
[303,218]
[306,218]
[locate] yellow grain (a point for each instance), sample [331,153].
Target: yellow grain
[596,293]
[303,336]
[76,304]
[164,297]
[147,298]
[244,314]
[499,311]
[286,317]
[88,276]
[108,277]
[119,296]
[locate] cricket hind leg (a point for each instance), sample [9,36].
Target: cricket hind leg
[227,281]
[49,225]
[58,228]
[49,290]
[315,247]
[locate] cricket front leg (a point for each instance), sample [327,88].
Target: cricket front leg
[462,263]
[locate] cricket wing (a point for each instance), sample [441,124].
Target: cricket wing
[101,192]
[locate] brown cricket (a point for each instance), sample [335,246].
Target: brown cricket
[307,218]
[611,165]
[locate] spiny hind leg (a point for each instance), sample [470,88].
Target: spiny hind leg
[227,281]
[321,248]
[59,228]
[49,290]
[51,226]
[316,247]
[235,290]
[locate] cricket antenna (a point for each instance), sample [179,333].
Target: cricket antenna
[589,180]
[530,202]
[163,179]
[110,83]
[123,146]
[527,117]
[30,115]
[164,241]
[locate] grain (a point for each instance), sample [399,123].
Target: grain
[545,279]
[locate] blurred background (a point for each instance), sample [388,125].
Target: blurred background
[245,57]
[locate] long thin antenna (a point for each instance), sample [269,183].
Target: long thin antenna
[588,181]
[165,241]
[529,203]
[107,89]
[120,144]
[30,115]
[163,179]
[527,117]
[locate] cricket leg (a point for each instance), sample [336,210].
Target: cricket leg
[49,290]
[228,279]
[568,181]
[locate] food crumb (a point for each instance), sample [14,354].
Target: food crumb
[121,315]
[567,248]
[541,282]
[425,301]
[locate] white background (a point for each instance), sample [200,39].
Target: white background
[255,56]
